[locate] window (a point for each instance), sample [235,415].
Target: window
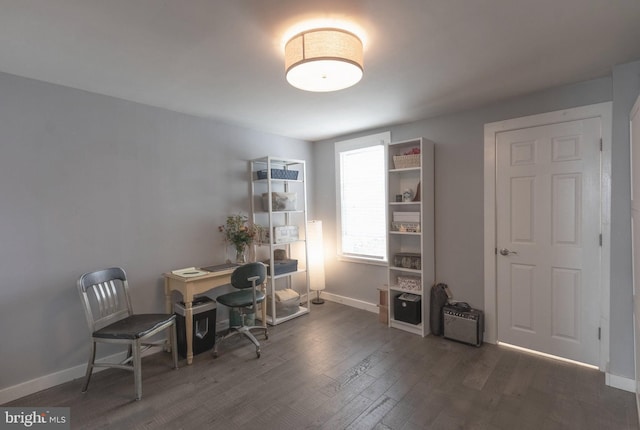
[361,189]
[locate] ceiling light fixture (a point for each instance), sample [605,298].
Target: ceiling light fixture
[323,59]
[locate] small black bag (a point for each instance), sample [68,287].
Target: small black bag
[440,296]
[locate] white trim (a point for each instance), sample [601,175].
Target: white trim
[620,382]
[382,139]
[354,303]
[26,388]
[601,110]
[47,381]
[634,252]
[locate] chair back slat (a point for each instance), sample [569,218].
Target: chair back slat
[105,296]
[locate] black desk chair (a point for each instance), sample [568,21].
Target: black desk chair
[105,296]
[247,279]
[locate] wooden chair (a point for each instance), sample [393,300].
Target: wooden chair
[107,305]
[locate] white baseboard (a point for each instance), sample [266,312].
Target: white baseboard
[354,303]
[9,394]
[42,383]
[620,382]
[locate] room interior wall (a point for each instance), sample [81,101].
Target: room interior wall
[459,163]
[626,87]
[89,181]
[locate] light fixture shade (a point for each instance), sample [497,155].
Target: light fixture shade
[325,59]
[315,248]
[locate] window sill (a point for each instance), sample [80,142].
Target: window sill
[369,261]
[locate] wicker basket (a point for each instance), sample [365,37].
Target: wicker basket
[406,161]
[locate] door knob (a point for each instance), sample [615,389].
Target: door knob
[505,251]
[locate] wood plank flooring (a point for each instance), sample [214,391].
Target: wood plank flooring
[339,368]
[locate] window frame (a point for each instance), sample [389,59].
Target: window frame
[382,139]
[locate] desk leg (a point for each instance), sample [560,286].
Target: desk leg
[167,297]
[168,309]
[189,328]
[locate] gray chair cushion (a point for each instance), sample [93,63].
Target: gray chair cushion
[134,326]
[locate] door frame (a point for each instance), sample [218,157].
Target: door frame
[600,110]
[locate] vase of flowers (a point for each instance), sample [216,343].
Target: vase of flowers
[240,234]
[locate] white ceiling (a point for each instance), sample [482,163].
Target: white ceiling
[223,58]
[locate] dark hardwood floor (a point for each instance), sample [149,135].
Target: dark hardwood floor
[339,368]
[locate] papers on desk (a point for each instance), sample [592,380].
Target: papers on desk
[189,272]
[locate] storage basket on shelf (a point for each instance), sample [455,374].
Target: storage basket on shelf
[278,174]
[406,161]
[286,302]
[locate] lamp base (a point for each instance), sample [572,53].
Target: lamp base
[317,300]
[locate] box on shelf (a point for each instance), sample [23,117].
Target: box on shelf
[406,227]
[413,217]
[281,266]
[408,260]
[407,308]
[285,233]
[287,302]
[279,201]
[413,283]
[204,325]
[278,174]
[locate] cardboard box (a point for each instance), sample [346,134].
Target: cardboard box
[383,306]
[383,313]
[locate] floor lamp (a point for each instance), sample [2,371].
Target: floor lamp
[315,248]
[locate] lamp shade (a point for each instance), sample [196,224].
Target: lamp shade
[325,59]
[315,249]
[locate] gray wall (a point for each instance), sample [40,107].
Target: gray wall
[459,163]
[89,181]
[626,87]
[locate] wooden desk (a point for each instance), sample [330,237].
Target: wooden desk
[191,286]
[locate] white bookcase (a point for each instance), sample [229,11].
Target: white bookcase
[288,215]
[410,231]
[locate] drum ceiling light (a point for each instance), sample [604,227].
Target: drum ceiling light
[323,59]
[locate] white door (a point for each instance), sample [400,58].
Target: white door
[548,238]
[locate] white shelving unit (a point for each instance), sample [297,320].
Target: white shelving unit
[270,175]
[410,244]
